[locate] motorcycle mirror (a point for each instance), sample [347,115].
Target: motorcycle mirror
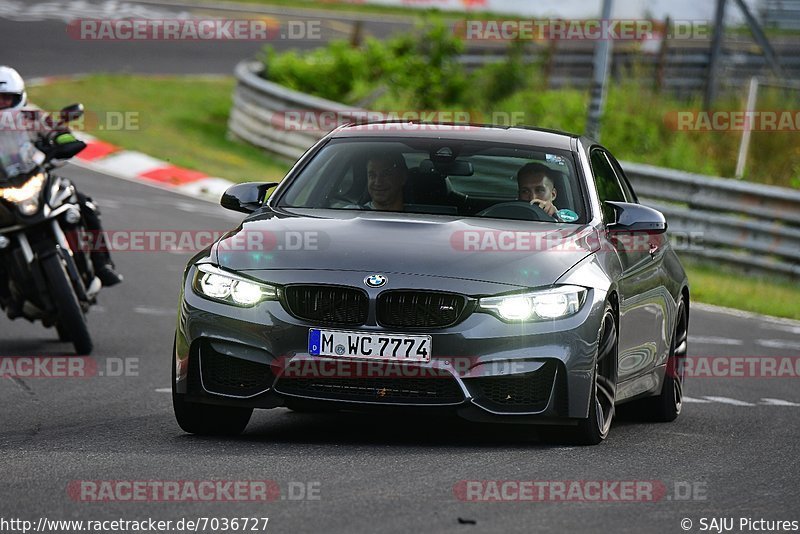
[71,113]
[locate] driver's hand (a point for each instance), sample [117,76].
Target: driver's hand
[547,206]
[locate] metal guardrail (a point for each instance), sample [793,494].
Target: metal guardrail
[261,110]
[679,66]
[744,223]
[750,225]
[782,14]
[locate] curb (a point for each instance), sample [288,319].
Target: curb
[110,159]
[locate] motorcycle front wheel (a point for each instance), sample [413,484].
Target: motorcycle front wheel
[70,315]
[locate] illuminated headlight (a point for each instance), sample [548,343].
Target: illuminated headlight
[29,207]
[27,191]
[223,286]
[547,304]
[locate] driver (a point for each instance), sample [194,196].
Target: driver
[534,185]
[14,98]
[386,176]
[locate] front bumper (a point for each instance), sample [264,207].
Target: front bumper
[481,368]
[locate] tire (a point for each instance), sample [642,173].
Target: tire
[63,335]
[70,314]
[666,407]
[595,428]
[207,419]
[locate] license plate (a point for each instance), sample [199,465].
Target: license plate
[369,345]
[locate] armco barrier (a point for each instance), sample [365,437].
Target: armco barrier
[750,225]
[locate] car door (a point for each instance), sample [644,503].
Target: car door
[641,284]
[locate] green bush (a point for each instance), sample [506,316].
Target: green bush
[420,71]
[420,67]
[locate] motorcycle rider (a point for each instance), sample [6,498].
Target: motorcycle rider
[56,140]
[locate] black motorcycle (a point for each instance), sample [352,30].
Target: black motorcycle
[45,273]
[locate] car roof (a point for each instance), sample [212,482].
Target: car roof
[539,137]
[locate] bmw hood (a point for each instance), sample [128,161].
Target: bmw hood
[515,253]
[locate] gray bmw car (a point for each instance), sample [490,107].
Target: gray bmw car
[498,274]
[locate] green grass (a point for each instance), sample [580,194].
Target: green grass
[724,287]
[182,120]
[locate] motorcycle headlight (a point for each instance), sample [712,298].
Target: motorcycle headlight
[29,206]
[546,304]
[27,191]
[216,284]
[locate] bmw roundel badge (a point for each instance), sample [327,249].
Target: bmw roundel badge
[375,280]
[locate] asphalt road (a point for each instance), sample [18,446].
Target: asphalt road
[36,40]
[736,444]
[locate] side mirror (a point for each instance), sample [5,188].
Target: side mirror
[636,218]
[71,113]
[246,197]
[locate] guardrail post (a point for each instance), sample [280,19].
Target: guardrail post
[748,126]
[716,49]
[602,55]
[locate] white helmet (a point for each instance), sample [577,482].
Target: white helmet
[11,83]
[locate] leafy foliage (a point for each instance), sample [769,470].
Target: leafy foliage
[420,71]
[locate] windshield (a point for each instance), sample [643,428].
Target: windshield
[440,177]
[18,155]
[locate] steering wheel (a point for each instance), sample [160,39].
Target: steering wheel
[517,209]
[338,200]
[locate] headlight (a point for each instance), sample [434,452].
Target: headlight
[27,191]
[547,304]
[223,286]
[29,207]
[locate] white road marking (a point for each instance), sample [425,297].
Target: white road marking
[107,203]
[792,329]
[779,344]
[149,310]
[693,400]
[728,400]
[191,207]
[164,390]
[743,314]
[714,340]
[778,402]
[709,399]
